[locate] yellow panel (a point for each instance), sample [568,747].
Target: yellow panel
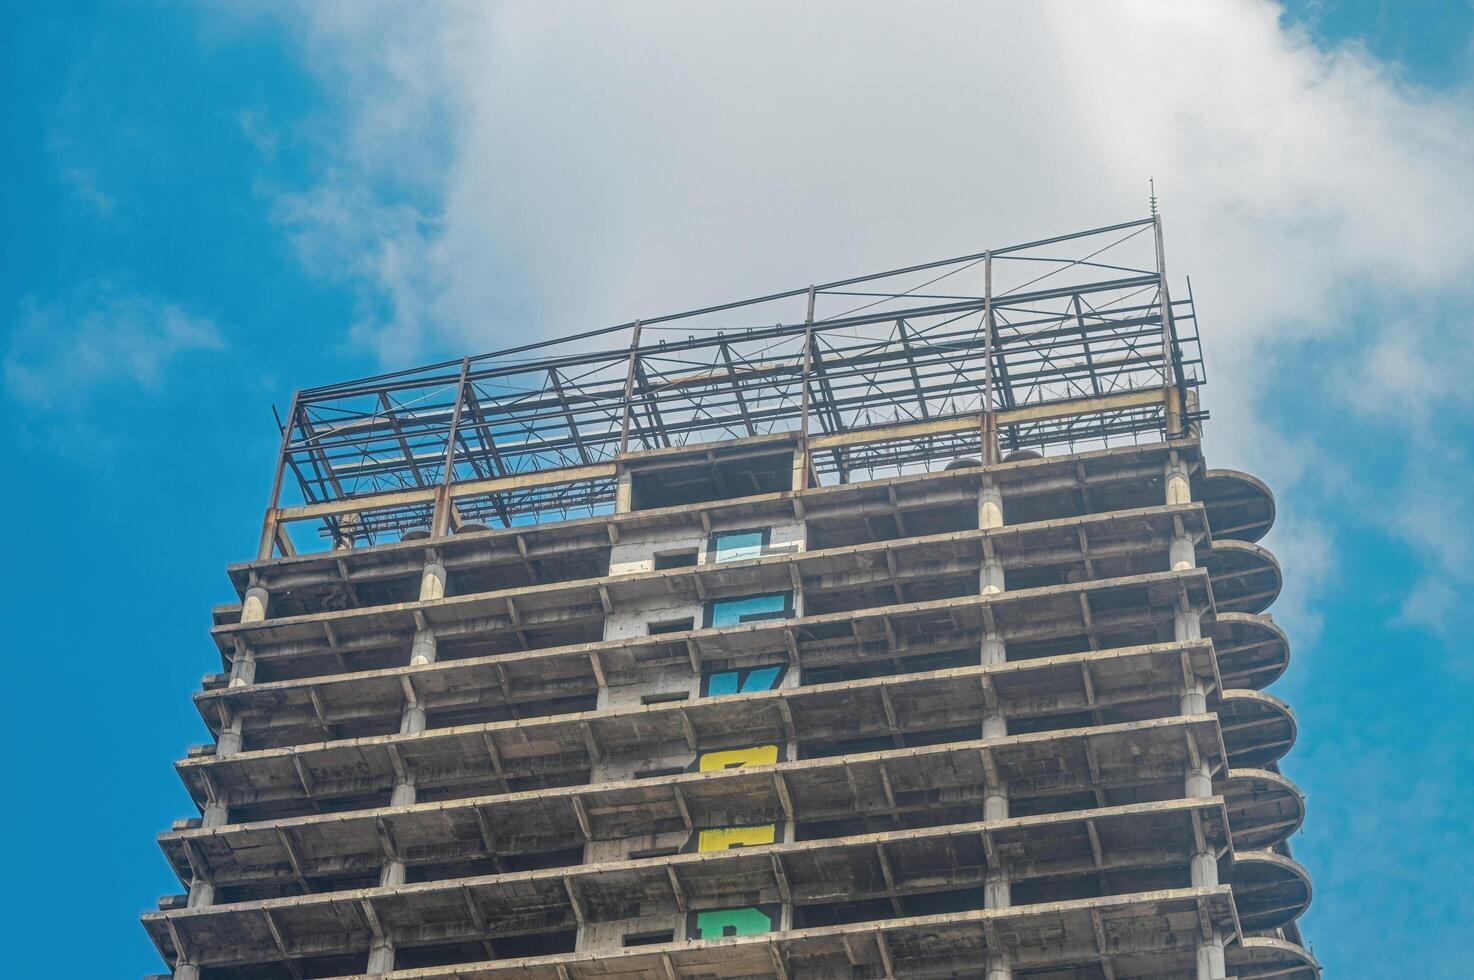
[757,755]
[723,838]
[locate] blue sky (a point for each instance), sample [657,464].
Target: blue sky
[208,206]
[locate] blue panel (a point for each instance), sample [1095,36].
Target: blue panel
[737,545]
[741,681]
[751,609]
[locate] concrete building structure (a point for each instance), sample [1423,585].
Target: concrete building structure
[912,638]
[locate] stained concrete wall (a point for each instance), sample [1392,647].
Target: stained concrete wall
[637,553]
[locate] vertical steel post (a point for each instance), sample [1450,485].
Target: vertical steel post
[629,392]
[990,417]
[1171,403]
[270,522]
[801,478]
[440,520]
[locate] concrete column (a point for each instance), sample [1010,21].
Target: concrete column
[1179,486]
[1194,701]
[995,803]
[992,574]
[422,651]
[215,814]
[996,895]
[242,665]
[990,506]
[1187,623]
[403,793]
[996,890]
[432,581]
[381,955]
[231,738]
[1198,783]
[1204,869]
[186,971]
[253,606]
[413,719]
[201,893]
[995,723]
[1181,553]
[392,873]
[411,722]
[1211,964]
[624,492]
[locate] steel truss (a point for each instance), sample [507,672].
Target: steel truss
[1077,316]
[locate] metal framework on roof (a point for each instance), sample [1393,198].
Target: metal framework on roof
[986,336]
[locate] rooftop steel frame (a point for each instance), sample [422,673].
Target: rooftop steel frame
[1013,337]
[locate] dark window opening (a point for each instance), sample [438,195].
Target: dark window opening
[699,480]
[675,559]
[672,626]
[833,673]
[650,938]
[660,771]
[537,944]
[653,852]
[665,697]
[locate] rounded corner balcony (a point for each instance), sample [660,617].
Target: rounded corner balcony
[1245,577]
[1240,507]
[1258,728]
[1269,889]
[1263,957]
[1264,808]
[1253,652]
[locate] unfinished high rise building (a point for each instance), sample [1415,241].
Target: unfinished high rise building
[894,627]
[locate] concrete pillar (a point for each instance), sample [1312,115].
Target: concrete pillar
[413,719]
[201,893]
[1187,623]
[403,793]
[392,873]
[253,606]
[186,971]
[1198,783]
[990,506]
[423,649]
[992,574]
[215,814]
[231,738]
[996,895]
[1181,553]
[624,492]
[1211,963]
[432,581]
[995,803]
[996,890]
[381,955]
[1194,701]
[411,722]
[1204,869]
[242,666]
[1179,486]
[995,723]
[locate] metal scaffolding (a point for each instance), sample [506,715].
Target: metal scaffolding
[1000,336]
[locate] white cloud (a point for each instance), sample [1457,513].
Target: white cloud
[62,352]
[254,129]
[579,165]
